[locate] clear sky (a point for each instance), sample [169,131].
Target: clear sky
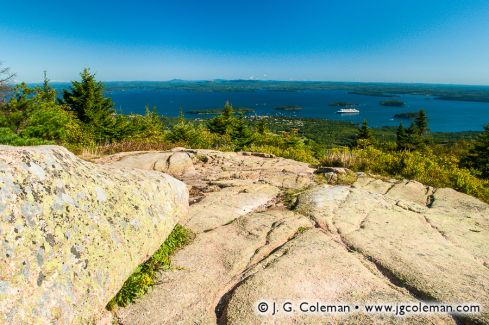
[441,41]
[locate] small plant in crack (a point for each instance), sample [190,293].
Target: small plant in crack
[302,230]
[202,158]
[144,276]
[291,198]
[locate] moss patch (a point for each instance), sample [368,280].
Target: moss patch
[143,277]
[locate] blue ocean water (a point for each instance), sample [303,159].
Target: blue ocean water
[444,116]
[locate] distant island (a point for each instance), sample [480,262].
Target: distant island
[406,115]
[371,93]
[216,111]
[393,103]
[292,108]
[341,104]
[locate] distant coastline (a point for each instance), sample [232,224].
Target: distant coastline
[436,91]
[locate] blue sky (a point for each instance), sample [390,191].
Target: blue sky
[436,41]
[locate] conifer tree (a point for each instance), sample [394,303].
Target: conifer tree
[478,156]
[261,126]
[86,99]
[241,135]
[183,131]
[401,138]
[47,93]
[228,111]
[421,122]
[224,123]
[364,136]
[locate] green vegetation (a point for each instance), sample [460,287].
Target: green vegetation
[346,179]
[364,136]
[477,158]
[427,166]
[406,116]
[86,122]
[143,277]
[373,93]
[393,103]
[217,111]
[292,108]
[415,136]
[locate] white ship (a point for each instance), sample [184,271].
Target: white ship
[348,110]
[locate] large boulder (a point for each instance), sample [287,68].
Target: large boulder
[72,232]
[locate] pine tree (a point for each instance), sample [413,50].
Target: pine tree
[413,137]
[87,100]
[421,122]
[228,111]
[401,138]
[364,136]
[224,123]
[478,156]
[241,135]
[261,126]
[182,132]
[47,93]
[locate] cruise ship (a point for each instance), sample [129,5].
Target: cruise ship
[348,110]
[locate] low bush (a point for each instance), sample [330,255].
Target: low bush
[143,277]
[424,166]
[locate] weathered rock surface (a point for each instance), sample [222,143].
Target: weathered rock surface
[215,166]
[211,265]
[313,267]
[72,232]
[432,241]
[377,241]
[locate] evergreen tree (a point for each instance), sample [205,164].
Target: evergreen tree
[478,156]
[421,122]
[228,111]
[261,126]
[241,135]
[47,93]
[87,100]
[183,131]
[401,138]
[224,123]
[413,137]
[364,136]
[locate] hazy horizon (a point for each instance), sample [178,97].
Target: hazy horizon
[432,42]
[262,80]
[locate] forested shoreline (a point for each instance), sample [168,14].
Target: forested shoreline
[85,121]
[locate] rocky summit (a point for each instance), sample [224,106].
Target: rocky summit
[72,232]
[270,229]
[267,230]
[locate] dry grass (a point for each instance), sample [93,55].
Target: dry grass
[97,151]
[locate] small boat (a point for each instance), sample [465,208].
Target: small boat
[348,110]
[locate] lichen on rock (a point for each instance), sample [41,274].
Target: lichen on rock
[72,232]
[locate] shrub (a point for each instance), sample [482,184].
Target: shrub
[424,166]
[143,277]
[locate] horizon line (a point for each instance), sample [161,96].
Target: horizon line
[274,80]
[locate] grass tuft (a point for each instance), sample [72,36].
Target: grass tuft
[143,277]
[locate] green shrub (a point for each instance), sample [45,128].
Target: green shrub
[143,277]
[9,137]
[424,166]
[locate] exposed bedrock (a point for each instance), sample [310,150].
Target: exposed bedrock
[72,232]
